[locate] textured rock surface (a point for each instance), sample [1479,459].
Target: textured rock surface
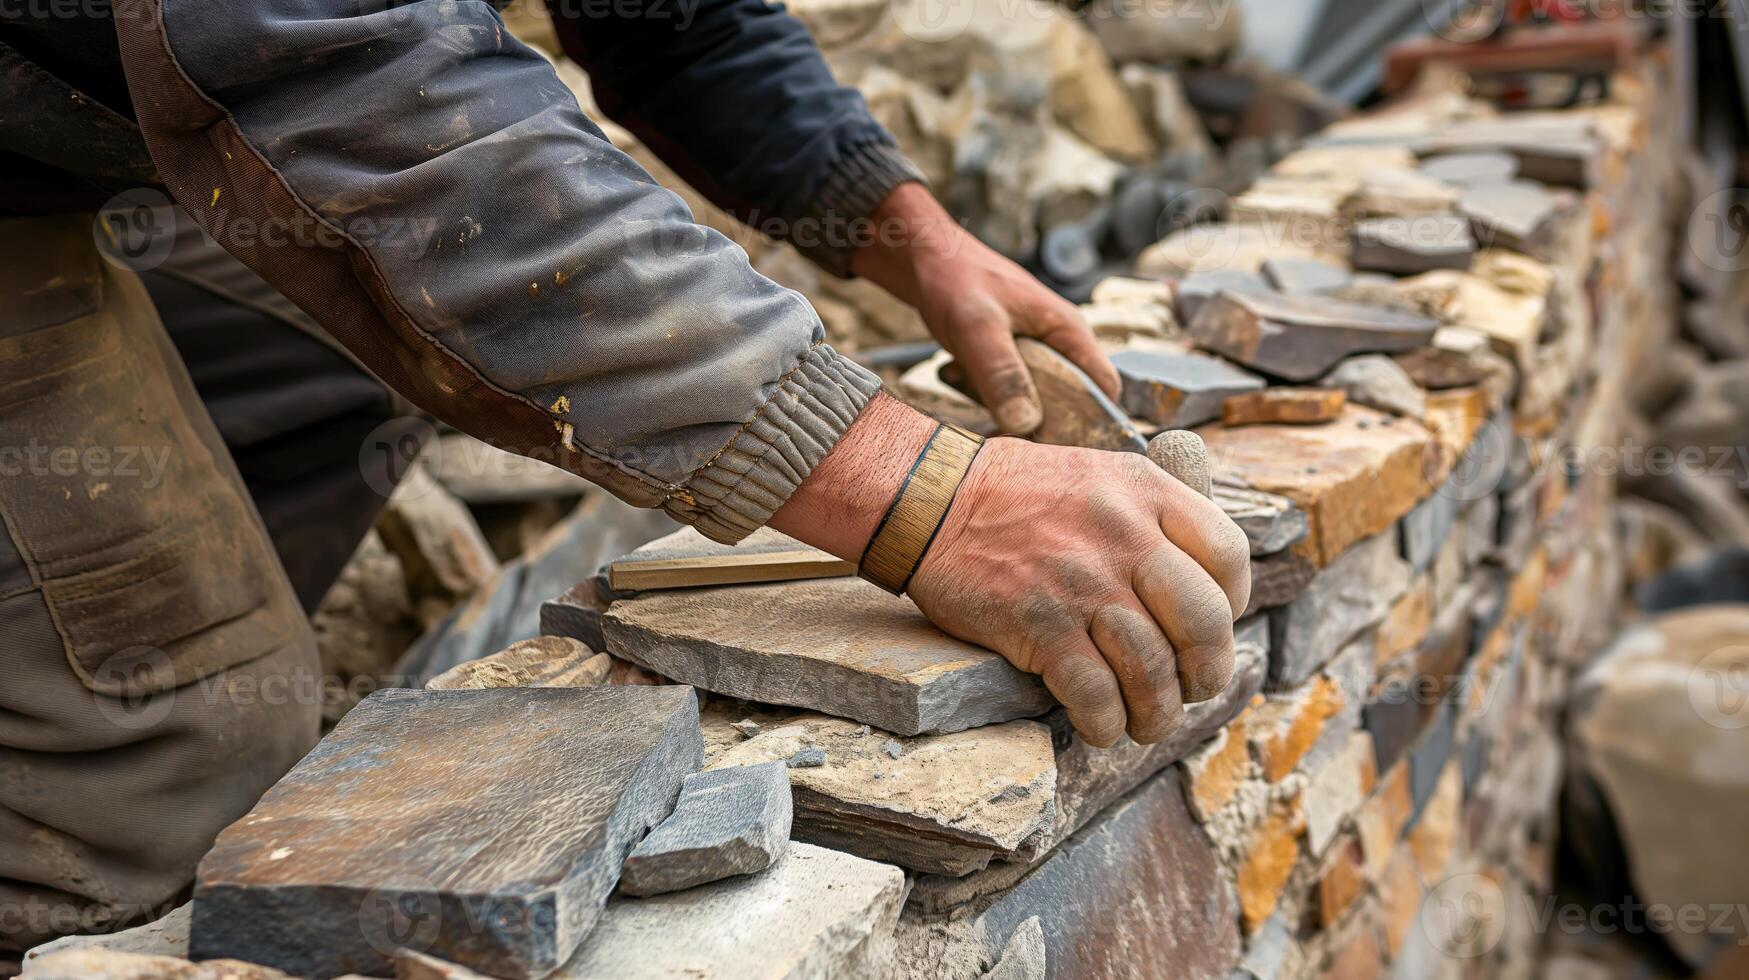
[1353,477]
[946,804]
[1378,382]
[815,915]
[1178,390]
[102,964]
[545,661]
[1355,592]
[841,646]
[167,936]
[1076,412]
[726,822]
[1194,290]
[1291,406]
[1270,521]
[1292,275]
[1300,337]
[481,806]
[1408,246]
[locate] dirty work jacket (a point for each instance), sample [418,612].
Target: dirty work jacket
[426,188]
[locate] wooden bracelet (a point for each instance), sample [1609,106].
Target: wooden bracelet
[917,512]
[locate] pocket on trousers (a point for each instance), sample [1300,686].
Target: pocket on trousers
[150,559]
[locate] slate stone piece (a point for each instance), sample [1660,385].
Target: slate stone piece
[1413,245]
[840,646]
[1428,758]
[726,822]
[1270,521]
[1193,290]
[1138,892]
[1564,152]
[1353,593]
[512,808]
[815,914]
[1471,169]
[1278,579]
[1377,381]
[1179,390]
[945,804]
[1301,337]
[1297,275]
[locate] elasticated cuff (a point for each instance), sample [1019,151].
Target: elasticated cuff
[751,477]
[861,181]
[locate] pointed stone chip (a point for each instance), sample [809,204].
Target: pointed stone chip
[1178,390]
[815,914]
[495,822]
[726,822]
[1413,245]
[1270,521]
[1284,405]
[1301,337]
[840,646]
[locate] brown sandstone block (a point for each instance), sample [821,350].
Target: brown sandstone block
[1382,818]
[1214,772]
[1407,623]
[1288,406]
[1434,836]
[1353,476]
[1341,881]
[1360,959]
[1285,727]
[1400,895]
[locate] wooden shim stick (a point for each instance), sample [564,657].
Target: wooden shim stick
[679,573]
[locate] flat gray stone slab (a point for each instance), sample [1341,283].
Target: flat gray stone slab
[815,915]
[1472,169]
[1297,275]
[1179,391]
[1352,593]
[1518,215]
[1412,245]
[1195,289]
[1300,337]
[839,646]
[486,827]
[946,804]
[727,822]
[167,936]
[1270,521]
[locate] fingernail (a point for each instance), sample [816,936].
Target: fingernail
[1019,416]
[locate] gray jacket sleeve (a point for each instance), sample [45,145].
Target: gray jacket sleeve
[426,188]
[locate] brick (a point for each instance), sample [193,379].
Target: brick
[1271,851]
[726,822]
[1407,246]
[1179,391]
[1351,595]
[839,646]
[1383,817]
[1354,476]
[1341,880]
[514,806]
[1283,405]
[1285,727]
[1299,337]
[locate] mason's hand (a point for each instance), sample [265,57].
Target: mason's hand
[975,302]
[1112,580]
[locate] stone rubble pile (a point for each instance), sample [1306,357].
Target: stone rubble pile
[1393,348]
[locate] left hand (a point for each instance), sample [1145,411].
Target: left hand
[976,302]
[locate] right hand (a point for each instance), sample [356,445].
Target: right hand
[1112,580]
